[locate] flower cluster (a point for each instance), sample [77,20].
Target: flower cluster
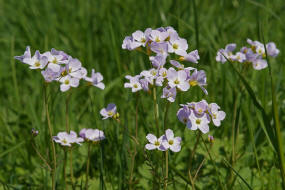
[254,54]
[92,135]
[61,67]
[110,112]
[198,115]
[165,142]
[67,139]
[160,45]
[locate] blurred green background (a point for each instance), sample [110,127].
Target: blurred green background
[93,31]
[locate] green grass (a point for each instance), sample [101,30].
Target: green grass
[243,154]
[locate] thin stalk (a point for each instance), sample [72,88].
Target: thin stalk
[41,156]
[166,170]
[51,138]
[67,113]
[155,106]
[135,146]
[71,168]
[87,167]
[191,159]
[165,115]
[64,169]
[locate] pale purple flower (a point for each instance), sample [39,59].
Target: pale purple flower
[162,72]
[67,82]
[26,55]
[169,93]
[49,75]
[130,44]
[176,45]
[93,135]
[65,139]
[139,37]
[144,84]
[109,112]
[172,34]
[157,61]
[158,36]
[200,108]
[217,116]
[159,48]
[154,143]
[201,123]
[177,64]
[134,83]
[183,116]
[198,78]
[259,64]
[55,60]
[171,142]
[193,56]
[35,132]
[74,69]
[96,79]
[37,61]
[227,52]
[240,57]
[271,49]
[177,79]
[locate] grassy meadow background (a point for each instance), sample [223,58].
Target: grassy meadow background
[93,31]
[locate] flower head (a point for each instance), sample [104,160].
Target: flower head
[154,143]
[171,142]
[93,135]
[109,112]
[96,79]
[67,139]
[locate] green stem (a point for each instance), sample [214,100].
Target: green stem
[155,106]
[64,169]
[51,138]
[67,113]
[166,170]
[165,115]
[87,166]
[71,168]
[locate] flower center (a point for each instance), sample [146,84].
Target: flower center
[54,61]
[164,74]
[153,73]
[157,39]
[193,83]
[135,86]
[64,141]
[156,143]
[143,40]
[175,46]
[110,113]
[185,120]
[37,64]
[66,82]
[170,142]
[198,121]
[176,81]
[214,116]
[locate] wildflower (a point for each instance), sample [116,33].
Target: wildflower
[176,64]
[200,108]
[37,61]
[177,79]
[129,43]
[198,78]
[159,48]
[169,93]
[171,142]
[96,79]
[200,123]
[158,36]
[217,116]
[176,45]
[74,69]
[109,112]
[140,38]
[65,139]
[26,55]
[227,52]
[157,61]
[271,49]
[240,57]
[49,75]
[259,64]
[67,82]
[55,60]
[134,83]
[154,143]
[193,56]
[183,116]
[93,135]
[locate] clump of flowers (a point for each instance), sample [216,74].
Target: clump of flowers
[254,54]
[110,112]
[164,45]
[92,135]
[61,67]
[67,139]
[165,142]
[198,115]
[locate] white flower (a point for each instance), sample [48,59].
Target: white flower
[171,142]
[154,143]
[217,116]
[200,123]
[67,82]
